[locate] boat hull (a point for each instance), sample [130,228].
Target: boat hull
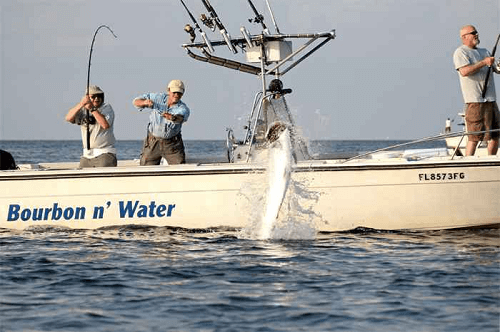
[391,195]
[418,197]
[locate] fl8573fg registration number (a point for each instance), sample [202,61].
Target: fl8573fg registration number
[441,176]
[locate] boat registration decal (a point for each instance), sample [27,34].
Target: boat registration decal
[441,176]
[55,212]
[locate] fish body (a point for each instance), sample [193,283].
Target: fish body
[279,174]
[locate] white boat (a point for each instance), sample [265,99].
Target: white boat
[407,189]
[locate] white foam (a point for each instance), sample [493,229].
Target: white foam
[279,172]
[288,206]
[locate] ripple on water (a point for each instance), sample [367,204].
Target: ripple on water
[153,278]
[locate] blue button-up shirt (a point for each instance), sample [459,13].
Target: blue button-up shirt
[158,125]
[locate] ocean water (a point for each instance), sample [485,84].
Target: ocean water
[166,279]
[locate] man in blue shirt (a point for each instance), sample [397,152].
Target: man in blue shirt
[164,137]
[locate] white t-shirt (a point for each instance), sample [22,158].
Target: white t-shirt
[101,140]
[472,85]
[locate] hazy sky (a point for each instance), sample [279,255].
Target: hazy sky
[388,74]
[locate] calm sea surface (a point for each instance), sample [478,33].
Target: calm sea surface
[164,279]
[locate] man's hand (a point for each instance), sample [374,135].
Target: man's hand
[173,117]
[489,61]
[85,102]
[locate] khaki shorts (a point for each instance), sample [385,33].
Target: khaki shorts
[103,160]
[482,117]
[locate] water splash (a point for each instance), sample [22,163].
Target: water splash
[279,171]
[288,206]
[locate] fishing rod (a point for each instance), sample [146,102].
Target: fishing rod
[191,32]
[272,18]
[87,114]
[214,19]
[489,69]
[259,18]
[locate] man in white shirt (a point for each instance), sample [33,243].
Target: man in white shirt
[102,151]
[472,64]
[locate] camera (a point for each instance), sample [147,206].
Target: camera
[81,118]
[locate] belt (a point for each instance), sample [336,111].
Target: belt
[173,138]
[92,153]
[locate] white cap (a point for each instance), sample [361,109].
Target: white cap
[176,86]
[95,90]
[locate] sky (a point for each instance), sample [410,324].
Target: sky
[388,74]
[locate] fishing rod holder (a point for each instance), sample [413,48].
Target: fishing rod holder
[263,48]
[246,35]
[266,50]
[227,39]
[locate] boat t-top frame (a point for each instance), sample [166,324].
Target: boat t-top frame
[268,55]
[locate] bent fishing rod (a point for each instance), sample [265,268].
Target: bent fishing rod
[88,78]
[490,69]
[216,20]
[191,32]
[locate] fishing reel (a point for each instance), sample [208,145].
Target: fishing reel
[208,22]
[257,19]
[81,119]
[189,29]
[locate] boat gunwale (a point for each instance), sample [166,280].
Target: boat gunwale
[223,169]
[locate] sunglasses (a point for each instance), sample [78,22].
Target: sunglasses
[96,96]
[470,33]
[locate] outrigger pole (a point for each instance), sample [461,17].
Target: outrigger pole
[88,78]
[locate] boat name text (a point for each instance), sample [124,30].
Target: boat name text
[441,176]
[126,209]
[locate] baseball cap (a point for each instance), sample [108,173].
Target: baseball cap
[176,86]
